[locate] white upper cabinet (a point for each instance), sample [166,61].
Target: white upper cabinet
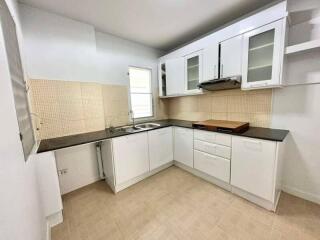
[211,61]
[263,51]
[252,47]
[193,71]
[231,57]
[160,147]
[174,76]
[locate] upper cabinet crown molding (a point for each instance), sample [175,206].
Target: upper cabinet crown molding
[231,38]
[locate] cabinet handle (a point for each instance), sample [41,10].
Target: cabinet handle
[256,145]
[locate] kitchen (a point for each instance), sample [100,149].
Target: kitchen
[123,134]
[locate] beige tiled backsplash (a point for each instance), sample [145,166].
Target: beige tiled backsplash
[236,105]
[61,108]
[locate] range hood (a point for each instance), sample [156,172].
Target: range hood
[221,84]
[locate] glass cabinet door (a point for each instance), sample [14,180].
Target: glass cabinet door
[260,56]
[263,56]
[193,64]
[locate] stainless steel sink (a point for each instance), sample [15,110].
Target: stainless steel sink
[136,128]
[129,129]
[147,125]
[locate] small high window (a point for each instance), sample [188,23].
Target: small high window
[141,92]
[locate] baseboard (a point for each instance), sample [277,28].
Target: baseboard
[55,219]
[204,176]
[48,233]
[131,182]
[255,199]
[301,194]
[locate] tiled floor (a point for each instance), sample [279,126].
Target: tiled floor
[177,205]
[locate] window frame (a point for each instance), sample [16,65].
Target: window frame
[152,116]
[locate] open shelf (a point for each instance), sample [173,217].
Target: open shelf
[193,66]
[262,46]
[259,67]
[303,47]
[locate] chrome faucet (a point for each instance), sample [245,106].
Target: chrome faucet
[132,117]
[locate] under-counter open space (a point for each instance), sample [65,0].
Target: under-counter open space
[174,204]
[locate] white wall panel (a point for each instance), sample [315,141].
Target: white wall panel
[297,109]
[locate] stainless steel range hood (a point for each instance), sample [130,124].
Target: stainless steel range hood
[221,84]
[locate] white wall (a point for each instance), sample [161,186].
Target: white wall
[297,108]
[58,48]
[115,55]
[21,215]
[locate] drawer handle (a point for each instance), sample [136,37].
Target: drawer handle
[255,145]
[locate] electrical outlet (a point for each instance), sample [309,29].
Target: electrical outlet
[63,171]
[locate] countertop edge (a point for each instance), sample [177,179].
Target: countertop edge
[164,123]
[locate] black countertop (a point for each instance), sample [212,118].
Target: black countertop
[73,140]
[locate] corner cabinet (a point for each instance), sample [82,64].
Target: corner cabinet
[263,54]
[183,146]
[160,147]
[193,72]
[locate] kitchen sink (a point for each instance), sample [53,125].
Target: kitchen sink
[147,125]
[128,129]
[136,128]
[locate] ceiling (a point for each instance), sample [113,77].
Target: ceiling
[162,24]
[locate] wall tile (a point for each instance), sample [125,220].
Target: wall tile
[205,104]
[234,105]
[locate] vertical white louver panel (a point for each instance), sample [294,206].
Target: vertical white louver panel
[10,39]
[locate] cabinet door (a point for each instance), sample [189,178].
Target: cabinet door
[231,57]
[263,56]
[130,156]
[211,61]
[183,146]
[193,71]
[253,166]
[175,76]
[160,147]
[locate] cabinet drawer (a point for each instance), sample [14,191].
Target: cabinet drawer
[213,137]
[212,165]
[211,148]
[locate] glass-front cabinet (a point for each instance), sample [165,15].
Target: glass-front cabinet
[263,51]
[193,72]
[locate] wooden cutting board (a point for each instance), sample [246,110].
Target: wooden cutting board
[222,126]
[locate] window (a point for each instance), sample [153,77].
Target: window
[140,92]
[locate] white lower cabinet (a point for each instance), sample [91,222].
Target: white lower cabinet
[160,147]
[248,167]
[253,166]
[214,149]
[214,166]
[183,146]
[130,157]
